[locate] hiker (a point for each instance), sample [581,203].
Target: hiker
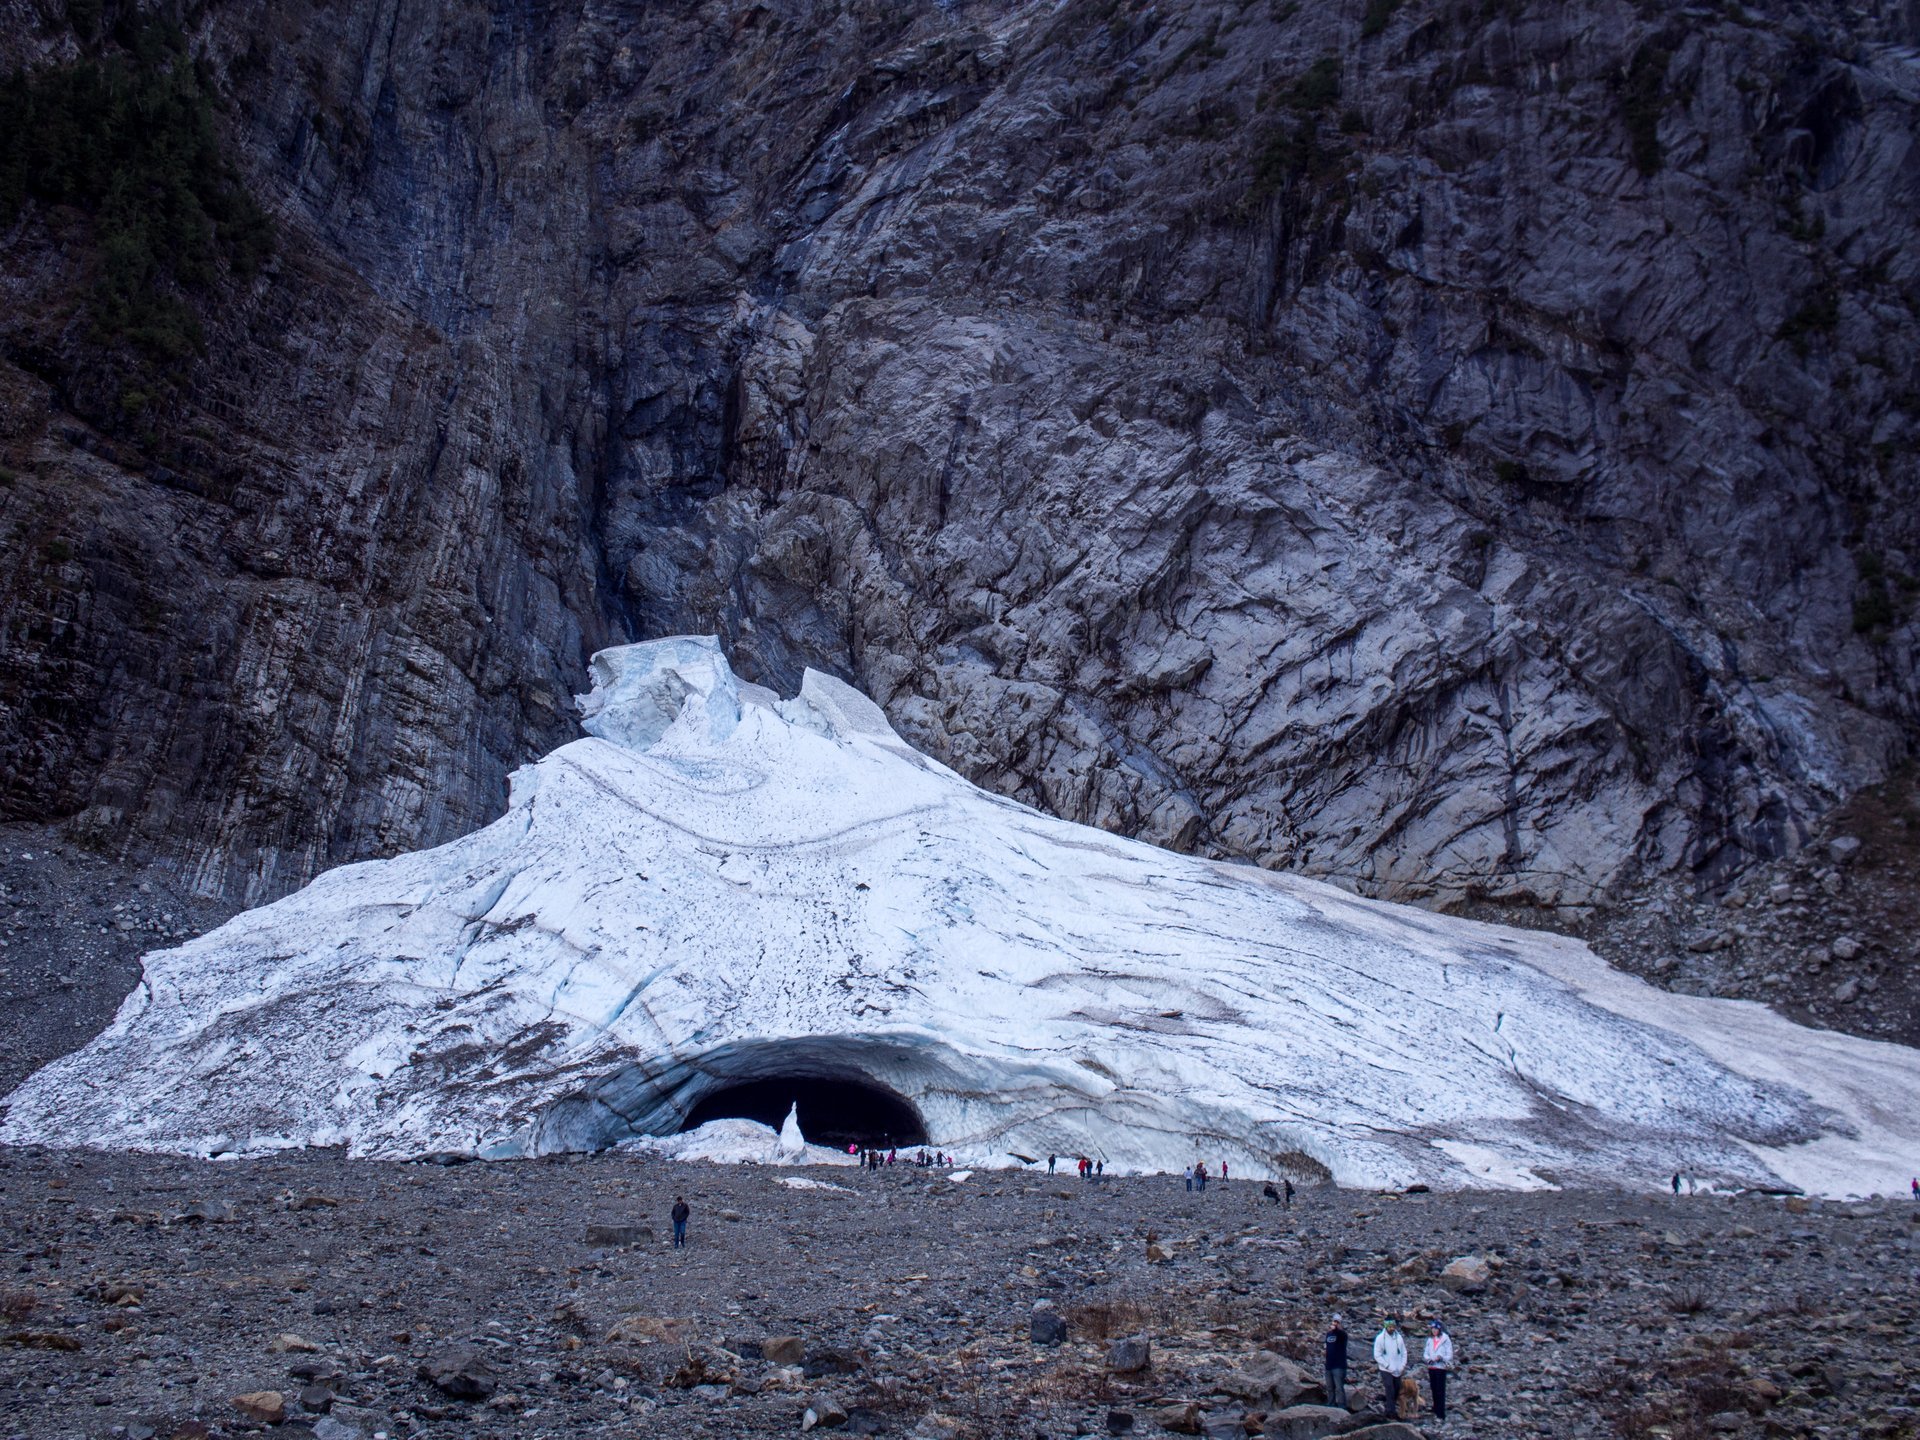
[1200,1176]
[1289,1196]
[1270,1193]
[1223,1172]
[1187,1175]
[1390,1354]
[1052,1160]
[1100,1167]
[1439,1360]
[893,1155]
[1916,1187]
[680,1212]
[1336,1361]
[1676,1182]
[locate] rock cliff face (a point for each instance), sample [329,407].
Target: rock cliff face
[1463,450]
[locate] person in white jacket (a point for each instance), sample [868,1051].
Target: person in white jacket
[1390,1354]
[1439,1360]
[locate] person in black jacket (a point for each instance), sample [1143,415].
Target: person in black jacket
[680,1214]
[1336,1340]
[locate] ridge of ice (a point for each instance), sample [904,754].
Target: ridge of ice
[718,885]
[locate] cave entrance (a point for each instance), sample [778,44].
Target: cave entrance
[836,1112]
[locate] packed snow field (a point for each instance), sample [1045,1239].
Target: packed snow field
[166,1296]
[721,894]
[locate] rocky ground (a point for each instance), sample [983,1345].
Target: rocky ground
[73,926]
[1828,936]
[351,1298]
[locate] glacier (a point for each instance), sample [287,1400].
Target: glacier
[719,888]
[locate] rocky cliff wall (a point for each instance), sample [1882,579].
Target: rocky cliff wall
[1463,450]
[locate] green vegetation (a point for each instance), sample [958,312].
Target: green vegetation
[1375,19]
[1642,104]
[128,139]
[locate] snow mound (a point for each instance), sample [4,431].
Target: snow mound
[736,1142]
[719,888]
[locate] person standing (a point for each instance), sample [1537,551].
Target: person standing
[1439,1360]
[680,1213]
[1052,1160]
[1676,1182]
[1187,1175]
[1288,1203]
[1390,1355]
[1223,1172]
[1336,1363]
[1200,1176]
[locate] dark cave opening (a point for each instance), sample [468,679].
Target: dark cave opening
[835,1112]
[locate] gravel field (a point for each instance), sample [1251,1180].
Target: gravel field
[141,1295]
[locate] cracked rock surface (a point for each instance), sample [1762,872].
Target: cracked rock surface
[1464,453]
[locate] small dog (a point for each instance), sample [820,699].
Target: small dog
[1409,1397]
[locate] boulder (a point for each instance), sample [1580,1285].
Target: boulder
[460,1375]
[269,1406]
[1388,1430]
[316,1399]
[1181,1419]
[825,1412]
[1047,1326]
[1267,1377]
[1306,1422]
[935,1426]
[288,1343]
[1119,1422]
[645,1329]
[783,1349]
[1467,1275]
[1843,848]
[1129,1354]
[1846,948]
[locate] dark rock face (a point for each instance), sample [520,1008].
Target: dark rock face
[1469,456]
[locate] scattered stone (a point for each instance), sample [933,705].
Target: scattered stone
[1390,1430]
[1119,1422]
[1846,948]
[1305,1422]
[1727,1421]
[208,1212]
[1129,1354]
[646,1329]
[351,1422]
[935,1426]
[316,1399]
[460,1375]
[1847,991]
[618,1236]
[269,1406]
[291,1344]
[1843,848]
[40,1340]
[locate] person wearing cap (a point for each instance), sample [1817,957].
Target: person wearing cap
[1439,1360]
[1336,1343]
[1390,1354]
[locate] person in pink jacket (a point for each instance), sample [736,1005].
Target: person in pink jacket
[1438,1357]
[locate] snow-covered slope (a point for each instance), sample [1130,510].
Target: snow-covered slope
[720,886]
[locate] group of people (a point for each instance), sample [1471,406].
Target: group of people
[1390,1358]
[924,1159]
[1087,1169]
[1196,1175]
